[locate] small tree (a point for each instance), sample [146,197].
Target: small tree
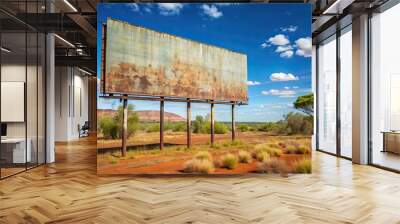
[111,126]
[297,123]
[305,104]
[133,120]
[198,124]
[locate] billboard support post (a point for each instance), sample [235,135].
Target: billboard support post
[162,123]
[124,125]
[233,123]
[212,123]
[188,124]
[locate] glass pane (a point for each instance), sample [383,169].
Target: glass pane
[14,153]
[385,86]
[31,98]
[346,93]
[41,99]
[327,96]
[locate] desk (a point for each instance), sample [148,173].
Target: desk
[13,150]
[391,141]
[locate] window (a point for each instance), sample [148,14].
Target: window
[346,92]
[22,77]
[385,89]
[327,95]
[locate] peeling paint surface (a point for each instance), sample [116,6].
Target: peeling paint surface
[140,61]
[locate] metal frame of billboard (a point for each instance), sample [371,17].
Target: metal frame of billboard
[125,97]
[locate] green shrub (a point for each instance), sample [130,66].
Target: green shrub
[198,124]
[203,155]
[153,127]
[220,128]
[270,149]
[109,128]
[244,157]
[292,123]
[243,127]
[203,125]
[273,127]
[274,152]
[303,150]
[229,161]
[260,155]
[290,149]
[237,143]
[298,123]
[303,166]
[179,127]
[198,166]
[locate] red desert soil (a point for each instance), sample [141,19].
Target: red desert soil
[176,166]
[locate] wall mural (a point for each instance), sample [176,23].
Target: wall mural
[216,89]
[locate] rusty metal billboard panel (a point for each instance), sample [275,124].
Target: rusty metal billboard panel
[140,61]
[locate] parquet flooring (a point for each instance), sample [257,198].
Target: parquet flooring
[69,191]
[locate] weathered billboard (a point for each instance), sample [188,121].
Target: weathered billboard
[139,61]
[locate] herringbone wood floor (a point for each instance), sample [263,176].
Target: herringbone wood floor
[69,191]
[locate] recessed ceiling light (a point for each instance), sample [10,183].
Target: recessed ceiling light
[5,50]
[70,5]
[84,71]
[64,40]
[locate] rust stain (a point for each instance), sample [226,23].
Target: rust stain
[145,62]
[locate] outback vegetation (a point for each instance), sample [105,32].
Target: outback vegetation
[279,156]
[280,147]
[111,126]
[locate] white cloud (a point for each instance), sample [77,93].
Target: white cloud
[281,77]
[147,9]
[286,87]
[285,51]
[279,40]
[279,93]
[304,47]
[211,11]
[295,87]
[275,105]
[290,28]
[280,49]
[253,83]
[133,7]
[265,45]
[170,9]
[286,54]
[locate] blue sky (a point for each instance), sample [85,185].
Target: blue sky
[275,37]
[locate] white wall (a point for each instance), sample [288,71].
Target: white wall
[71,102]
